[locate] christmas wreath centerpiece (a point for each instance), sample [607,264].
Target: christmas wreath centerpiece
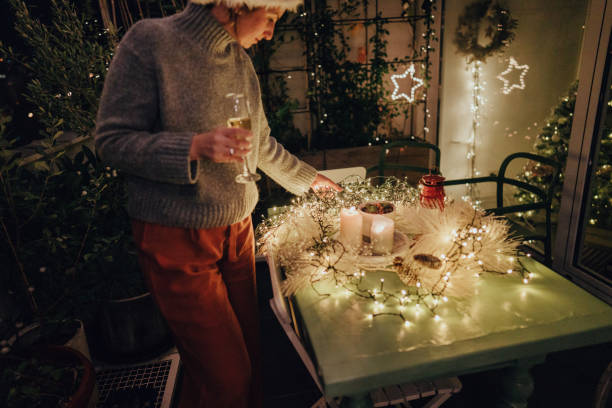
[444,255]
[499,29]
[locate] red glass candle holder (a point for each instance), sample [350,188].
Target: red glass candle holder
[432,191]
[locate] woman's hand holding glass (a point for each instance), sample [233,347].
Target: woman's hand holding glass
[240,117]
[222,145]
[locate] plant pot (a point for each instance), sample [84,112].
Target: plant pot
[131,330]
[66,333]
[47,376]
[83,395]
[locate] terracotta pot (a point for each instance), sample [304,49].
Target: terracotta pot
[33,335]
[63,354]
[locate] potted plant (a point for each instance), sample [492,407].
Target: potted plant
[30,322]
[51,376]
[32,245]
[67,245]
[65,234]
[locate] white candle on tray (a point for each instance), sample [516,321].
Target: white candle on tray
[381,234]
[369,210]
[351,223]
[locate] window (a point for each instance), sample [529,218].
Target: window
[519,99]
[583,249]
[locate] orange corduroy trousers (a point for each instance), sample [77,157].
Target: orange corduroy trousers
[204,284]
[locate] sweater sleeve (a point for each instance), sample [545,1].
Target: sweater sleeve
[287,170]
[126,136]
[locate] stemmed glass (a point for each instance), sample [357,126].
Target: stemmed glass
[240,117]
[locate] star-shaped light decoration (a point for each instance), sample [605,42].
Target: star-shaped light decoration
[511,67]
[417,82]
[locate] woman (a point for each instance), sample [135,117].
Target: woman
[162,121]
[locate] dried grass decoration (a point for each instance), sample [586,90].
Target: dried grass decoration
[484,20]
[445,253]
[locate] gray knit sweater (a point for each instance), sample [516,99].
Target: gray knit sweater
[166,83]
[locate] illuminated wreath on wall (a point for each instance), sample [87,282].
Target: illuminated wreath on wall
[499,30]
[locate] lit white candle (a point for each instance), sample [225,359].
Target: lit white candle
[381,234]
[367,225]
[351,223]
[368,216]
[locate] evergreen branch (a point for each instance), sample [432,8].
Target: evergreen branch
[24,277]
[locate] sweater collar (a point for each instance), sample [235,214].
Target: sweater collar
[197,21]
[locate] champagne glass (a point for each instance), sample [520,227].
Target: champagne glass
[240,117]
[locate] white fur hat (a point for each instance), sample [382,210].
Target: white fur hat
[283,4]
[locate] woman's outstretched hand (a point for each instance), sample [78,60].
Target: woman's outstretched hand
[222,145]
[323,185]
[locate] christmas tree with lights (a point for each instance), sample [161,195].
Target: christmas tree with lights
[552,142]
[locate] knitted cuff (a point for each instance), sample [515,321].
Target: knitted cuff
[302,179]
[174,159]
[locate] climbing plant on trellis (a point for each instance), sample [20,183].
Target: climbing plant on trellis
[348,98]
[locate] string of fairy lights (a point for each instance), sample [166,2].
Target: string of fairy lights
[476,104]
[455,248]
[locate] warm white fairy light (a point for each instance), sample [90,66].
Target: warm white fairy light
[417,83]
[452,239]
[513,65]
[476,106]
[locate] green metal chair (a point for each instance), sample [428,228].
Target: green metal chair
[384,163]
[544,202]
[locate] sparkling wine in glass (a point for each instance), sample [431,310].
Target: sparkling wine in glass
[241,118]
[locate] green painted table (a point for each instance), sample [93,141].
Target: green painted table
[506,324]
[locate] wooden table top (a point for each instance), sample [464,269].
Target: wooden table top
[506,320]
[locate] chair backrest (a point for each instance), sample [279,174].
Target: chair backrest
[338,175]
[387,149]
[545,195]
